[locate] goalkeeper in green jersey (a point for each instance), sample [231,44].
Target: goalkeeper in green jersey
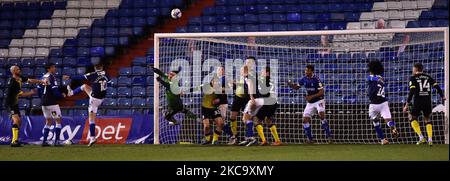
[175,104]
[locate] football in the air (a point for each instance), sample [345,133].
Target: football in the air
[175,13]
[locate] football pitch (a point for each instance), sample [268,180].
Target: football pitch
[226,153]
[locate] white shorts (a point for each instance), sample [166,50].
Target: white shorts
[376,110]
[223,110]
[259,103]
[311,108]
[94,103]
[52,111]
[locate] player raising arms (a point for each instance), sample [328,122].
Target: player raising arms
[315,102]
[210,112]
[241,96]
[175,104]
[379,105]
[12,98]
[49,95]
[99,82]
[267,111]
[419,96]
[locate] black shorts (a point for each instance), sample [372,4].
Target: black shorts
[13,110]
[239,104]
[208,113]
[418,109]
[267,111]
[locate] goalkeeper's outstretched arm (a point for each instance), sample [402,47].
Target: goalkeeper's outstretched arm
[159,72]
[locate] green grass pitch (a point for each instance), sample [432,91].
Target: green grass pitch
[228,153]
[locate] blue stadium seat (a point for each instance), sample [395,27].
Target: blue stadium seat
[109,102]
[323,17]
[194,29]
[111,92]
[264,8]
[265,27]
[139,70]
[125,22]
[151,21]
[125,71]
[308,17]
[111,41]
[427,15]
[294,18]
[309,26]
[138,80]
[136,101]
[181,30]
[124,102]
[209,28]
[251,28]
[124,92]
[278,18]
[265,18]
[236,19]
[294,27]
[56,61]
[139,61]
[2,72]
[280,27]
[221,10]
[138,91]
[112,112]
[68,71]
[83,51]
[237,28]
[27,71]
[69,51]
[98,32]
[123,81]
[196,20]
[250,18]
[235,9]
[97,51]
[28,62]
[223,19]
[82,102]
[113,82]
[209,11]
[209,20]
[2,82]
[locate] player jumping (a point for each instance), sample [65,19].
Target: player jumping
[49,95]
[379,106]
[175,104]
[99,82]
[12,98]
[267,111]
[420,85]
[241,97]
[315,102]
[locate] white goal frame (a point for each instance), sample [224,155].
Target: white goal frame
[158,36]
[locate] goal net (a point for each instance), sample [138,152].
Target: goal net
[340,59]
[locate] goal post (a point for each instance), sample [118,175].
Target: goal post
[339,57]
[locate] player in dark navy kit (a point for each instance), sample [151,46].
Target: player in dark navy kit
[96,92]
[379,105]
[315,102]
[50,94]
[13,93]
[420,85]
